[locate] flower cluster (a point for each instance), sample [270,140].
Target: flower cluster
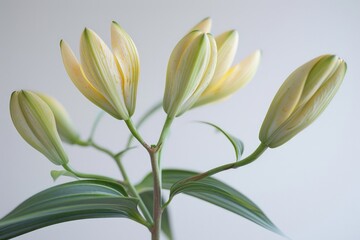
[199,72]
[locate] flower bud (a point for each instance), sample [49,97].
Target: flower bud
[64,125]
[302,98]
[190,69]
[107,78]
[35,122]
[227,80]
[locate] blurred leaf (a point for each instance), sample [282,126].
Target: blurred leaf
[237,143]
[55,174]
[67,202]
[212,191]
[122,152]
[147,197]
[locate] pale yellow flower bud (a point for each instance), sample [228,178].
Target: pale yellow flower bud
[35,122]
[107,78]
[190,69]
[302,98]
[227,80]
[64,124]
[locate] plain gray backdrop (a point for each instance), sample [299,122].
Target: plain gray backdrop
[309,187]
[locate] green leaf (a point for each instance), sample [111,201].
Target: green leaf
[70,201]
[213,191]
[55,174]
[237,143]
[147,198]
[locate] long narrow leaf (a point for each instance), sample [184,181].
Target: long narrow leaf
[212,191]
[67,202]
[237,143]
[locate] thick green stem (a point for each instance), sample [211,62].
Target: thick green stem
[157,208]
[155,153]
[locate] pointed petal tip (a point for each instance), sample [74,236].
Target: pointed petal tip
[115,24]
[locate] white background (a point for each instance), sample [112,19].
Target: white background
[309,187]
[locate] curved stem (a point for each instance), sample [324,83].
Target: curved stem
[127,182]
[135,133]
[143,119]
[249,159]
[89,176]
[134,192]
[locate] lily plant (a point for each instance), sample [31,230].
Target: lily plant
[200,71]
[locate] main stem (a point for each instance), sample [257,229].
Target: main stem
[157,208]
[156,169]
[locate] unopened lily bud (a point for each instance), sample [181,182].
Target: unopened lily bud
[190,69]
[302,98]
[107,78]
[63,121]
[227,80]
[35,122]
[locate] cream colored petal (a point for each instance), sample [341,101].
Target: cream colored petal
[100,68]
[35,122]
[321,71]
[77,76]
[203,26]
[285,100]
[237,77]
[171,87]
[304,116]
[127,56]
[64,124]
[192,67]
[227,44]
[207,76]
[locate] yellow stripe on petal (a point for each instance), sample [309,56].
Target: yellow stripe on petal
[100,68]
[227,44]
[35,122]
[127,56]
[206,79]
[77,76]
[234,79]
[171,87]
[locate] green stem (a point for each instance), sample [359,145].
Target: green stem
[165,131]
[134,192]
[157,208]
[89,176]
[155,153]
[143,119]
[251,158]
[135,133]
[127,182]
